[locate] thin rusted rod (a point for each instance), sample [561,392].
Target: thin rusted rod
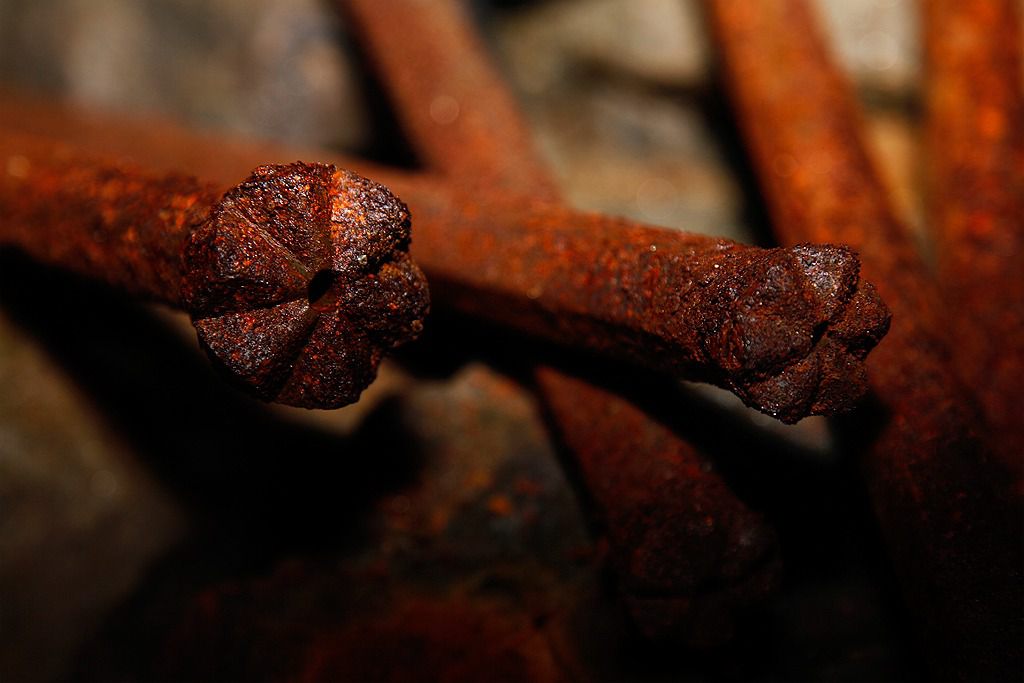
[297,280]
[687,551]
[974,91]
[449,95]
[944,503]
[786,329]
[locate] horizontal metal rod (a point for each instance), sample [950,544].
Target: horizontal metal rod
[785,329]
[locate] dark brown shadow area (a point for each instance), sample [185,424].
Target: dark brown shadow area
[256,485]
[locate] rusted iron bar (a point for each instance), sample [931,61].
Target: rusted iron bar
[298,279]
[448,93]
[786,329]
[687,551]
[600,283]
[975,169]
[951,522]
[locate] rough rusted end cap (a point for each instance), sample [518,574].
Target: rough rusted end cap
[300,280]
[792,330]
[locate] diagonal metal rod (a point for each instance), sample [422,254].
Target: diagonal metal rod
[449,96]
[975,171]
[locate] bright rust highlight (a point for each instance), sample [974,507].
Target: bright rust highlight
[952,523]
[298,279]
[975,168]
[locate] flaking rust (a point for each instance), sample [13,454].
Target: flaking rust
[298,280]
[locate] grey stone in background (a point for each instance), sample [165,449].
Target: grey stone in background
[658,41]
[877,41]
[617,92]
[608,85]
[268,68]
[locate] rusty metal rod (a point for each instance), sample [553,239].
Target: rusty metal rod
[974,91]
[448,94]
[686,550]
[943,501]
[297,280]
[785,329]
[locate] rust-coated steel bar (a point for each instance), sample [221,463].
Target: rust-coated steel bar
[298,279]
[449,93]
[687,550]
[785,329]
[951,522]
[975,166]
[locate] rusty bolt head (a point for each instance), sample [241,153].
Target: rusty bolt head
[793,329]
[299,280]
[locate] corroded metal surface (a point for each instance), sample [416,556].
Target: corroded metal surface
[975,110]
[298,280]
[784,329]
[952,524]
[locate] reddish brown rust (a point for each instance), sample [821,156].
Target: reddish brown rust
[297,280]
[687,550]
[784,328]
[952,524]
[975,133]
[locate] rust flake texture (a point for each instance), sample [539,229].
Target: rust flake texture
[298,279]
[944,501]
[975,166]
[785,329]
